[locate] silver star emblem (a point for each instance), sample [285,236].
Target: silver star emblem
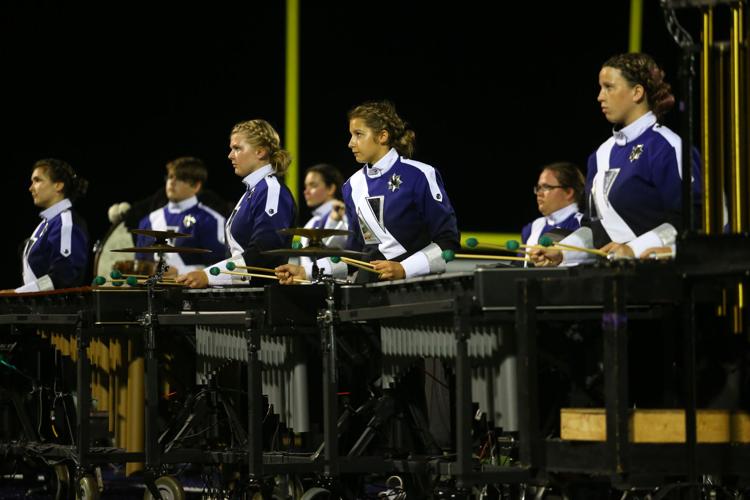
[395,182]
[635,153]
[188,220]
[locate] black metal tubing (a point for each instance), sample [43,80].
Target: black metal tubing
[254,400]
[462,331]
[615,336]
[531,443]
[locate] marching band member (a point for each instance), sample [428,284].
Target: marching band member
[633,186]
[183,213]
[559,193]
[323,195]
[266,206]
[398,210]
[56,254]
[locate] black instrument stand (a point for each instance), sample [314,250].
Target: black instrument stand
[327,321]
[150,322]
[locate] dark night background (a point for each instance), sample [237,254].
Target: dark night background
[119,92]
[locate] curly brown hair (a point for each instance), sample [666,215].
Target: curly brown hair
[381,115]
[641,69]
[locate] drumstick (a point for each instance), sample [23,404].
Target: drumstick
[130,281]
[546,241]
[116,275]
[216,271]
[473,243]
[356,263]
[231,266]
[450,255]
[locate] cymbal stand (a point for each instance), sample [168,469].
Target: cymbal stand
[327,321]
[150,324]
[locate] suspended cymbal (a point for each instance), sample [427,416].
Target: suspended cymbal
[314,234]
[317,252]
[160,235]
[162,249]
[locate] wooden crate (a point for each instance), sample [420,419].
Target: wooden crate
[657,426]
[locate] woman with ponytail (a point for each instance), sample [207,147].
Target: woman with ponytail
[266,206]
[56,254]
[398,210]
[634,181]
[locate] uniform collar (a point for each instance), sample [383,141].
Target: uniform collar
[634,130]
[383,165]
[323,209]
[56,209]
[560,215]
[253,179]
[175,207]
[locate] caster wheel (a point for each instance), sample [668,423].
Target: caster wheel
[87,488]
[61,486]
[169,489]
[287,486]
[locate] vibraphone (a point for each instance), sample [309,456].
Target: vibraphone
[485,323]
[468,316]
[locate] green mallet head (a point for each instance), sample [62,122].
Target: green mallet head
[472,242]
[215,271]
[335,259]
[296,245]
[546,241]
[115,275]
[449,255]
[100,280]
[512,245]
[118,283]
[231,266]
[131,281]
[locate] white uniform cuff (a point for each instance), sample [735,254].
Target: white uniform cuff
[429,260]
[42,284]
[581,237]
[338,269]
[224,279]
[661,236]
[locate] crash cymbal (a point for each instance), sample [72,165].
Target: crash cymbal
[317,252]
[162,249]
[160,235]
[313,234]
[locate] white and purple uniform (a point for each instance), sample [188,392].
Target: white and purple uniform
[567,218]
[634,188]
[204,225]
[56,255]
[398,210]
[266,206]
[321,219]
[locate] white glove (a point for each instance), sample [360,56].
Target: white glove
[117,212]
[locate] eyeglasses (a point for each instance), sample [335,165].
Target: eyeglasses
[546,188]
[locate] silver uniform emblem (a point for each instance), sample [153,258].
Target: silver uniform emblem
[188,220]
[394,182]
[636,152]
